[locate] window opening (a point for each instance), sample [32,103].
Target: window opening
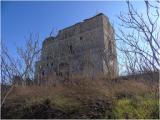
[71,48]
[81,38]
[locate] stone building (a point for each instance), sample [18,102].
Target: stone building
[86,48]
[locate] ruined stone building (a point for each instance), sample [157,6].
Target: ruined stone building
[86,48]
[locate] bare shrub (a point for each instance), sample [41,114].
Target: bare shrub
[138,38]
[83,88]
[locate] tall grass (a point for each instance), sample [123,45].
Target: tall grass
[115,99]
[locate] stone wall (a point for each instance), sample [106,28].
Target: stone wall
[86,48]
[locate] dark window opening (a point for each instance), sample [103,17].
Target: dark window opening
[71,48]
[81,38]
[47,64]
[43,73]
[51,64]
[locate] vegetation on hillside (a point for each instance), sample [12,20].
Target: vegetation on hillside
[83,98]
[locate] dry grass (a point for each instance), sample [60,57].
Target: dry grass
[82,87]
[81,95]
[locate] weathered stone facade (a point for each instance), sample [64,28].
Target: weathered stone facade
[86,48]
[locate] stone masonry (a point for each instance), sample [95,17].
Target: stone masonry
[86,48]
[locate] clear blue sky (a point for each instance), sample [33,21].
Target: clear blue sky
[21,18]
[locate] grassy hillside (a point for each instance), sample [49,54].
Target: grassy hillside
[85,98]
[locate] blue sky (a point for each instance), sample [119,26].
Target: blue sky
[21,18]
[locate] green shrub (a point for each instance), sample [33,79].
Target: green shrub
[124,109]
[138,107]
[147,107]
[66,103]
